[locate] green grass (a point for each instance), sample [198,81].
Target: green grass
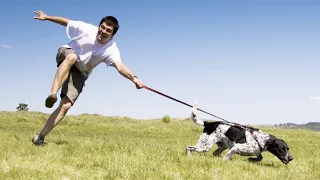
[95,147]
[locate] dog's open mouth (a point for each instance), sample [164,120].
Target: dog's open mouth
[285,161]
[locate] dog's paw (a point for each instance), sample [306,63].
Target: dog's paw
[188,150]
[216,153]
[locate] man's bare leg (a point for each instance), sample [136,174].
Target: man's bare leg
[60,77]
[53,121]
[56,116]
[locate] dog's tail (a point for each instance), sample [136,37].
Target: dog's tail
[194,116]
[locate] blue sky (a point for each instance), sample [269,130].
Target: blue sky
[246,61]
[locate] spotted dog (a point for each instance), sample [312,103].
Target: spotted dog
[242,141]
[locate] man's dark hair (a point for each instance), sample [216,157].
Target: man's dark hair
[111,21]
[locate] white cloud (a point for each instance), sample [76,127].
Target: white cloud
[6,46]
[317,98]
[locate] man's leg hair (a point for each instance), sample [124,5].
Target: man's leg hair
[61,76]
[56,116]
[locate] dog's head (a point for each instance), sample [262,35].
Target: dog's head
[279,148]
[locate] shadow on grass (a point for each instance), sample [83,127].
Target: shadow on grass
[206,154]
[61,142]
[265,164]
[268,164]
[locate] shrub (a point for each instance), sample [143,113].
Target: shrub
[22,107]
[166,119]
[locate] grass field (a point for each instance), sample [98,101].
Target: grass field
[95,147]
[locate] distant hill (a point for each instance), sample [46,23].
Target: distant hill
[314,126]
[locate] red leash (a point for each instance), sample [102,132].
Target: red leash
[232,123]
[150,89]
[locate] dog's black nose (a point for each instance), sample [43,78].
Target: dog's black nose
[290,158]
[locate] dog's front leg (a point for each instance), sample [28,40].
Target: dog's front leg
[242,150]
[257,159]
[229,154]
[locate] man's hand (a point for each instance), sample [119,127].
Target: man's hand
[56,19]
[41,15]
[125,72]
[138,83]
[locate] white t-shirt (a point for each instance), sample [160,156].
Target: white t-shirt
[90,53]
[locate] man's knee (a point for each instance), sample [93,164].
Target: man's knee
[66,104]
[65,54]
[71,58]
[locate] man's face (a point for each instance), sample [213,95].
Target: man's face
[104,33]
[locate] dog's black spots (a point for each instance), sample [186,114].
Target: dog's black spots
[220,144]
[210,127]
[236,134]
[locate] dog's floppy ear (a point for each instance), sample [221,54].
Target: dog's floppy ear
[268,143]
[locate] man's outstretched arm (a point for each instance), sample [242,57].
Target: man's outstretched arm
[125,72]
[56,19]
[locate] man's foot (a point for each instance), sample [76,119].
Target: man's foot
[51,99]
[38,141]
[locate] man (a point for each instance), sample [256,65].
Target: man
[89,46]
